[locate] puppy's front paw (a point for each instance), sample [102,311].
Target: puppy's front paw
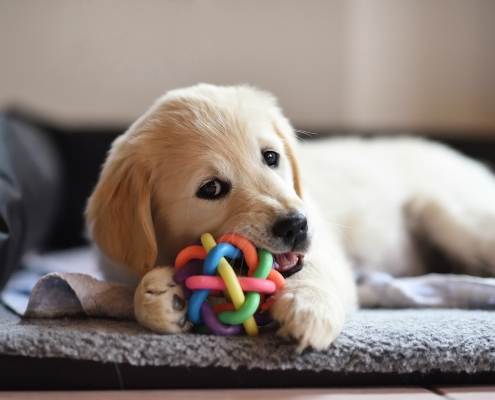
[159,304]
[308,316]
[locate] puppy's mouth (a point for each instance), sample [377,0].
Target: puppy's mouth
[288,263]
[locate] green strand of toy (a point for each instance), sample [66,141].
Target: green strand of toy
[252,301]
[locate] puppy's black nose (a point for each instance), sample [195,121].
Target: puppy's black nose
[291,229]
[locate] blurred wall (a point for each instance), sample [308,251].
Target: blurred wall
[349,64]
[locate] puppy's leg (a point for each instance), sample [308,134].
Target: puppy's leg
[159,304]
[311,309]
[457,215]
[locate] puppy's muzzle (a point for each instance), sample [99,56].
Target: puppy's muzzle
[292,230]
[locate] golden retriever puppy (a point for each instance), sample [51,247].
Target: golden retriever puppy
[216,159]
[224,159]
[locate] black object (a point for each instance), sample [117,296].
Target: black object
[30,190]
[26,373]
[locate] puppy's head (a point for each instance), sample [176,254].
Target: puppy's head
[202,159]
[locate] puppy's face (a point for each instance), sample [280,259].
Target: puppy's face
[206,159]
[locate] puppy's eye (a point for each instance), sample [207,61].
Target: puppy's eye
[213,190]
[271,158]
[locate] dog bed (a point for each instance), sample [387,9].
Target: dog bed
[376,345]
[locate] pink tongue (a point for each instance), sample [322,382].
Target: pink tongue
[286,259]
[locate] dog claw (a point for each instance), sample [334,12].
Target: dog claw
[182,322]
[293,339]
[178,304]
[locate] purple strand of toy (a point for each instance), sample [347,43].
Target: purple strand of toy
[192,267]
[214,325]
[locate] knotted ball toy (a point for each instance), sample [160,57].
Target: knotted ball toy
[246,305]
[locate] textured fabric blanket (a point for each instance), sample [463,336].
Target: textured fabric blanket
[73,294]
[381,290]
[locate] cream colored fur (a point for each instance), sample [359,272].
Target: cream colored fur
[364,200]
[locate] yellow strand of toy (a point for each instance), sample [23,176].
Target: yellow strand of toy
[233,287]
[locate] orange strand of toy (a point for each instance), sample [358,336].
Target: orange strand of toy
[277,278]
[188,254]
[247,248]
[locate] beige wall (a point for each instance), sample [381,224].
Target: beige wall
[355,64]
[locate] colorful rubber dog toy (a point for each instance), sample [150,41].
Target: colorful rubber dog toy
[248,307]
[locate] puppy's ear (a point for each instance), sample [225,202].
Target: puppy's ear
[289,144]
[119,214]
